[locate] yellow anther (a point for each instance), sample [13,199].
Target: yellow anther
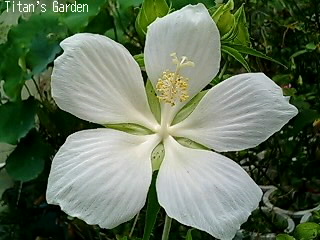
[172,86]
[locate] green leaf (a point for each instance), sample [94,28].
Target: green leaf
[188,108]
[311,46]
[236,55]
[76,21]
[100,23]
[153,101]
[17,119]
[150,10]
[153,209]
[42,52]
[131,128]
[307,231]
[23,51]
[250,51]
[13,76]
[27,161]
[284,237]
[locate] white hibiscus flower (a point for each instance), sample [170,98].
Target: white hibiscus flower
[102,175]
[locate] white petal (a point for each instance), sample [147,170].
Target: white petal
[189,32]
[102,176]
[239,113]
[205,190]
[97,79]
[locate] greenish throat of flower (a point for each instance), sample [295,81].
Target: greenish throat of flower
[172,86]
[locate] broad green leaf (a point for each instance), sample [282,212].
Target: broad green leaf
[76,21]
[100,23]
[22,46]
[42,52]
[250,51]
[153,101]
[284,237]
[124,4]
[130,128]
[157,156]
[188,108]
[150,10]
[11,72]
[307,231]
[16,120]
[153,209]
[236,55]
[189,143]
[27,161]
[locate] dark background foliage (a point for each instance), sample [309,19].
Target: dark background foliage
[286,30]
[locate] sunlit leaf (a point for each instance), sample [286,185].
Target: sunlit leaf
[307,231]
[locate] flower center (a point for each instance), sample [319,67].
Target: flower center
[172,86]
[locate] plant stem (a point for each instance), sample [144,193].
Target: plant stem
[134,224]
[166,228]
[224,68]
